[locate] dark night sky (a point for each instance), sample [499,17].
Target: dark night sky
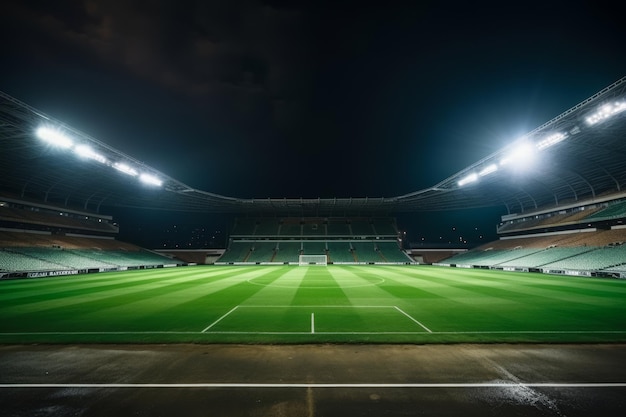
[308,99]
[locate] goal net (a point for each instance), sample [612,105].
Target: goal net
[312,260]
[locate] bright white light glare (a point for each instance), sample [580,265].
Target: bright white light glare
[54,137]
[488,170]
[606,111]
[86,152]
[551,140]
[150,179]
[522,155]
[125,169]
[470,178]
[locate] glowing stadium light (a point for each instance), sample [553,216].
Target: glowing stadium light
[488,170]
[125,169]
[86,152]
[54,137]
[551,140]
[523,154]
[605,111]
[150,179]
[470,178]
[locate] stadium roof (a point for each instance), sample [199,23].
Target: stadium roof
[578,155]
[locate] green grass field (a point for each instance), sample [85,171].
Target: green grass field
[315,304]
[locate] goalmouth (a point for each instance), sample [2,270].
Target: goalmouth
[312,260]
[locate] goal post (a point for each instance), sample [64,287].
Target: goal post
[312,260]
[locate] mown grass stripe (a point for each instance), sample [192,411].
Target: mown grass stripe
[172,305]
[79,294]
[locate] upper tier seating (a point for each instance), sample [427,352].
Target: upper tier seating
[613,211]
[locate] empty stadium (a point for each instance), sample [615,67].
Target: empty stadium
[330,270]
[264,208]
[306,273]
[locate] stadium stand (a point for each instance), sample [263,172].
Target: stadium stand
[338,227]
[236,252]
[37,215]
[262,252]
[11,261]
[384,227]
[287,251]
[70,259]
[575,238]
[595,259]
[291,228]
[313,228]
[340,252]
[366,252]
[615,210]
[536,259]
[19,258]
[391,252]
[362,228]
[342,239]
[267,227]
[244,227]
[41,240]
[575,217]
[585,251]
[314,247]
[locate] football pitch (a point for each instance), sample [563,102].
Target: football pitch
[312,304]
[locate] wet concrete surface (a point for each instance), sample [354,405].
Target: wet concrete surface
[312,380]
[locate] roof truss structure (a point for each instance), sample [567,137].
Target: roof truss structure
[576,158]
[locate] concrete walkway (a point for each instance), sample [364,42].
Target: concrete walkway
[312,380]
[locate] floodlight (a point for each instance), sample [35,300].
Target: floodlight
[488,170]
[150,179]
[54,137]
[522,154]
[551,140]
[470,178]
[605,111]
[86,152]
[125,169]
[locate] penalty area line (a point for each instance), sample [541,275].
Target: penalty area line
[218,320]
[406,314]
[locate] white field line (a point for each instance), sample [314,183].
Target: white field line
[535,332]
[218,320]
[316,332]
[406,314]
[321,333]
[93,333]
[310,306]
[327,385]
[312,322]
